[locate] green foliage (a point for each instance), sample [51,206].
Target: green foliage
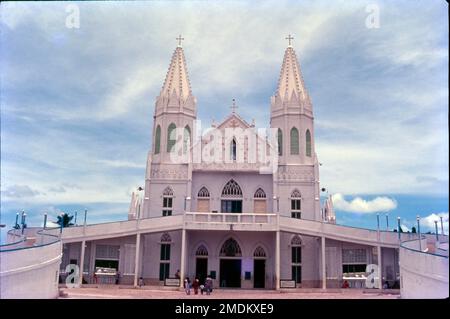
[65,220]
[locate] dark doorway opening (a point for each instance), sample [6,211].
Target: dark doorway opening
[259,273]
[201,269]
[232,206]
[230,273]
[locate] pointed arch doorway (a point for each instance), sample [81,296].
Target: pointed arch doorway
[230,264]
[259,267]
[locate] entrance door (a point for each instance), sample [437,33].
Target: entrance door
[259,273]
[201,269]
[230,273]
[232,206]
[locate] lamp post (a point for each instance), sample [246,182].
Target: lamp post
[387,221]
[75,221]
[436,229]
[378,221]
[442,226]
[45,220]
[398,229]
[24,225]
[61,223]
[418,232]
[85,217]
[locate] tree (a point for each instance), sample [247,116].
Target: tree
[65,220]
[413,230]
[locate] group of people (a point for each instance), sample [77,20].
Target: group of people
[204,288]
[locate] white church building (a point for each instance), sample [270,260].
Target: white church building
[232,202]
[240,205]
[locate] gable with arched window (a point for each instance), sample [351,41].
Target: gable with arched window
[308,143]
[203,200]
[171,137]
[167,201]
[157,139]
[280,142]
[294,141]
[296,204]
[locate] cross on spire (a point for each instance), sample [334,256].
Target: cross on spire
[233,107]
[179,40]
[289,38]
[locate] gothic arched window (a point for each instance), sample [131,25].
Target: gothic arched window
[308,143]
[296,258]
[233,150]
[186,139]
[280,142]
[171,137]
[164,259]
[230,248]
[203,193]
[165,238]
[294,141]
[259,252]
[296,204]
[296,241]
[157,139]
[232,189]
[167,201]
[201,251]
[260,193]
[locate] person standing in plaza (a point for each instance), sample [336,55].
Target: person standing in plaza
[195,285]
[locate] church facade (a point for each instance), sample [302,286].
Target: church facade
[232,186]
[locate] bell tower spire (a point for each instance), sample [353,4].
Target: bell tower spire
[176,92]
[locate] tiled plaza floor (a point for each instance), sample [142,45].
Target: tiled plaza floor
[149,293]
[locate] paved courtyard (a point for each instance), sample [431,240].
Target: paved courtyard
[161,293]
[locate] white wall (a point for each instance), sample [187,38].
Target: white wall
[30,273]
[422,275]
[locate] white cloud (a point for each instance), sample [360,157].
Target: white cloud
[428,221]
[121,164]
[405,228]
[359,205]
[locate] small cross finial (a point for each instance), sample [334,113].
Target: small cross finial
[233,106]
[179,40]
[289,38]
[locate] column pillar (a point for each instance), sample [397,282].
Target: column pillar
[80,277]
[380,268]
[324,269]
[137,259]
[277,261]
[183,257]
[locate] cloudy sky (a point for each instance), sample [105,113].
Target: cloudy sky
[77,103]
